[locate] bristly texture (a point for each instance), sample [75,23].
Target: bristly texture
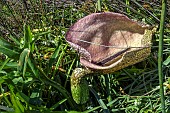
[109,41]
[79,87]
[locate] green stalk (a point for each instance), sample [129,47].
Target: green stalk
[99,5]
[160,54]
[127,9]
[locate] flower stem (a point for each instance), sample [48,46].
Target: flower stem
[160,54]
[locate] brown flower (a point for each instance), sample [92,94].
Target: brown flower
[109,41]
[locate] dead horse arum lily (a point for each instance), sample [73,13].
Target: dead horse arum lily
[107,42]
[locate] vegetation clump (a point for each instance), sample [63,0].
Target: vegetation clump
[36,62]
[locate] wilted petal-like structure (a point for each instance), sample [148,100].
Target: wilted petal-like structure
[109,41]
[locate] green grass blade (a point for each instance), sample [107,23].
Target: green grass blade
[22,65]
[160,55]
[18,107]
[8,49]
[28,38]
[5,94]
[146,10]
[99,9]
[135,11]
[102,104]
[92,110]
[167,61]
[61,89]
[23,97]
[54,56]
[15,40]
[59,60]
[6,44]
[9,52]
[5,62]
[33,66]
[38,72]
[127,9]
[57,104]
[42,33]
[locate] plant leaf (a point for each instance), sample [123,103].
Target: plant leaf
[167,61]
[22,65]
[33,67]
[54,56]
[8,49]
[28,37]
[57,104]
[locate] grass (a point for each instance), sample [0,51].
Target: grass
[36,62]
[160,54]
